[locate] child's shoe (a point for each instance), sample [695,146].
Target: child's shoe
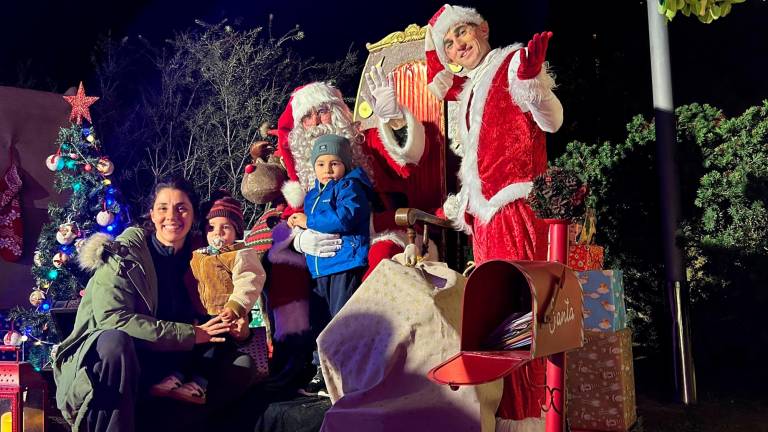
[190,392]
[316,387]
[166,386]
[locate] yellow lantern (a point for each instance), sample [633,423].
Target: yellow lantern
[23,396]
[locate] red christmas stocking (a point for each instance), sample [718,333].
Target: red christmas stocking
[11,229]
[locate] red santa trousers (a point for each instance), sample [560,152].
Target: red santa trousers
[514,233]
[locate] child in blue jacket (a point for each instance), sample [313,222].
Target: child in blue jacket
[337,204]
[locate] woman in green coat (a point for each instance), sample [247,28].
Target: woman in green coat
[136,321]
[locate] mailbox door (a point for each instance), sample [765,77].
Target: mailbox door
[560,327]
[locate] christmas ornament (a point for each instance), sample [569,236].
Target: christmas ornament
[88,167]
[38,258]
[54,162]
[80,103]
[105,218]
[12,338]
[68,232]
[60,259]
[37,297]
[105,166]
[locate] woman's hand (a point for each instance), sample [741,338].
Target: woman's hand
[210,331]
[240,330]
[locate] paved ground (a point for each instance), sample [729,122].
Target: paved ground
[654,416]
[707,416]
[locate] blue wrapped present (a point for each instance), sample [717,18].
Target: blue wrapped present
[604,309]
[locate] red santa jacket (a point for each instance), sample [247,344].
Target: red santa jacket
[503,144]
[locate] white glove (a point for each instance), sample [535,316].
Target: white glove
[316,243]
[382,100]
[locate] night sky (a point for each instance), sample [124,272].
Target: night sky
[602,63]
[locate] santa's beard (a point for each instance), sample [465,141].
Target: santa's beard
[301,141]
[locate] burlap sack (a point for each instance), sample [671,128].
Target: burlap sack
[375,355]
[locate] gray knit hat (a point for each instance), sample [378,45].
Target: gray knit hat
[332,145]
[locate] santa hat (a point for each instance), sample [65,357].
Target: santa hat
[301,103]
[441,81]
[310,96]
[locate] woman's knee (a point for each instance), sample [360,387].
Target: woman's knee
[114,344]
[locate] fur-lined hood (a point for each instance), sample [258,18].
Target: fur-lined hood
[97,248]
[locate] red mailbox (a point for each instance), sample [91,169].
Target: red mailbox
[496,289]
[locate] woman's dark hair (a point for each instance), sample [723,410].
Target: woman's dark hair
[178,183]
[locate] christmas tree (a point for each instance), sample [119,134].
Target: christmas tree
[94,205]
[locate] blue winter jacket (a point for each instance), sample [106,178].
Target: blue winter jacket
[341,207]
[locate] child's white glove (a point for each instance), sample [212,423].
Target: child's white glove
[315,243]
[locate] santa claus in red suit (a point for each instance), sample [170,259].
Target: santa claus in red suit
[388,154]
[506,106]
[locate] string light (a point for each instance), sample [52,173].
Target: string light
[53,274]
[77,186]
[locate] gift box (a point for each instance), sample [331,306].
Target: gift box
[583,257]
[600,383]
[604,308]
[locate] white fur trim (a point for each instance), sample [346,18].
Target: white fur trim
[413,149]
[292,318]
[429,44]
[397,237]
[312,96]
[281,251]
[451,16]
[471,196]
[294,194]
[529,91]
[454,140]
[91,254]
[530,424]
[441,83]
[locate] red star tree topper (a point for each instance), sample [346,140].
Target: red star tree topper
[80,103]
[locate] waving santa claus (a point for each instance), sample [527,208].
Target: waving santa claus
[506,106]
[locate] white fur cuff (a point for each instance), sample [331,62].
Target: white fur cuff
[530,90]
[413,149]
